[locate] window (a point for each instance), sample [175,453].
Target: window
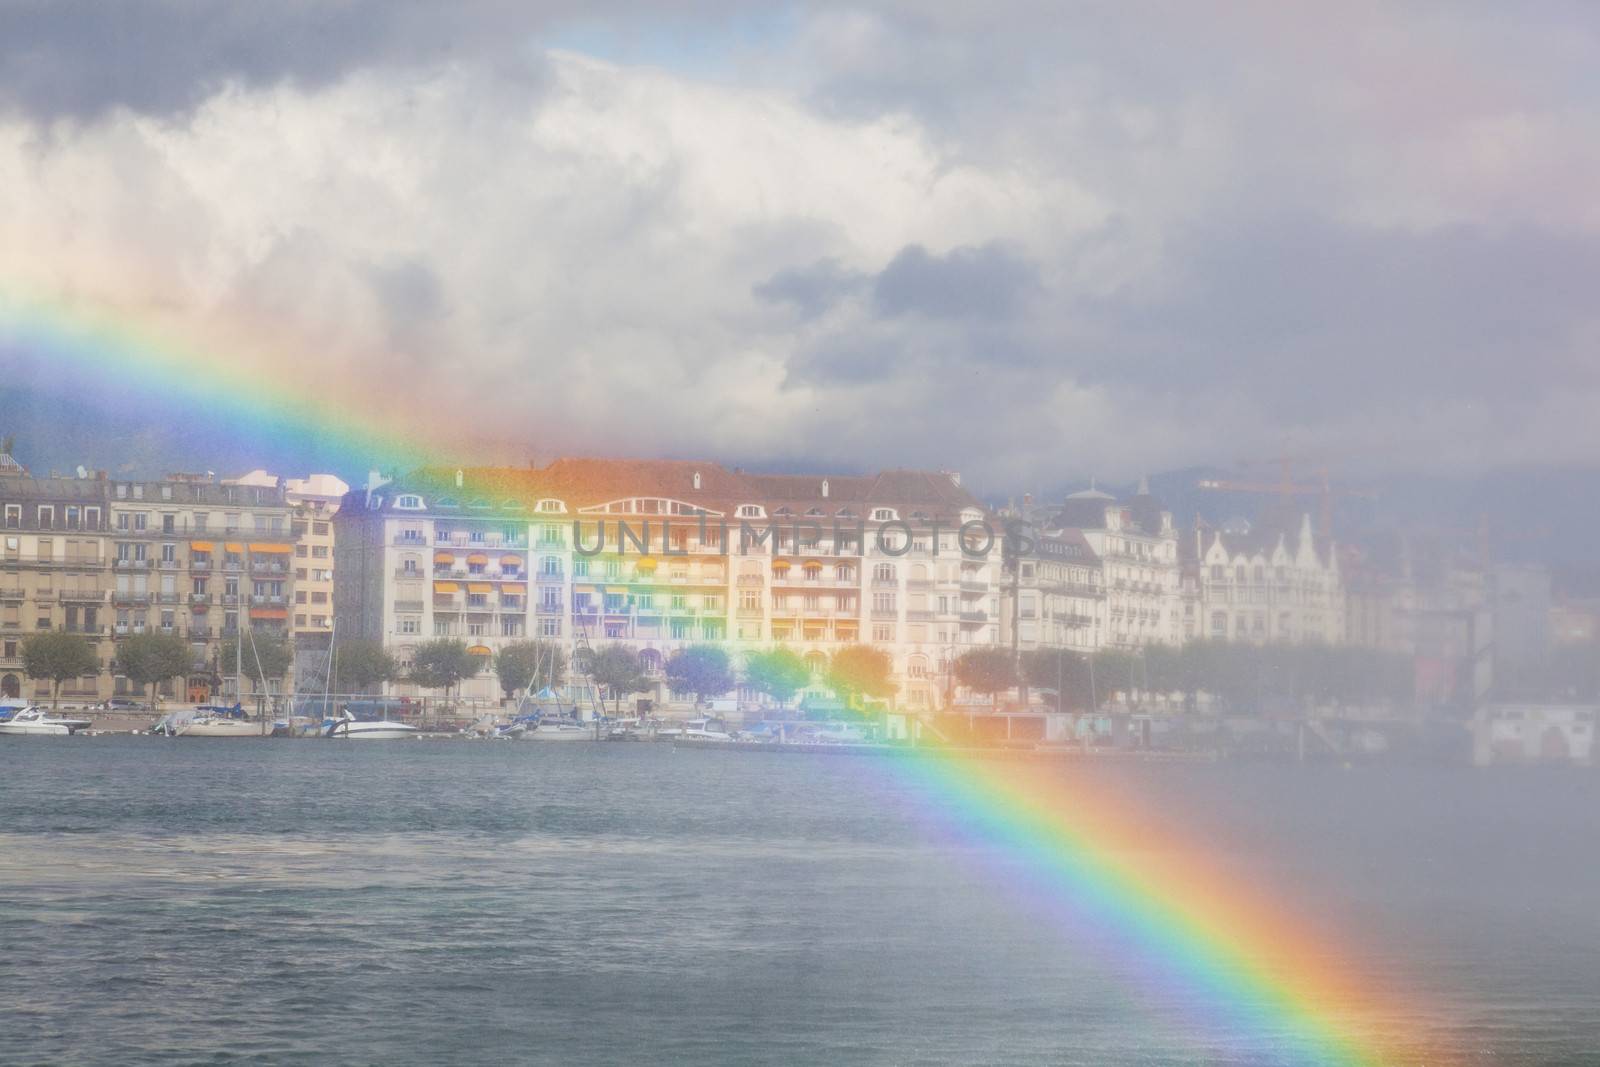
[47,516]
[882,514]
[749,511]
[883,633]
[883,572]
[883,602]
[408,502]
[550,627]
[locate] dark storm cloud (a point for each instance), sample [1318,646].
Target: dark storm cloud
[1311,317]
[983,282]
[813,289]
[80,58]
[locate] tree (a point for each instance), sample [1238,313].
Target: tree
[620,670]
[267,657]
[360,666]
[150,659]
[858,671]
[780,673]
[58,657]
[442,663]
[530,665]
[700,669]
[986,670]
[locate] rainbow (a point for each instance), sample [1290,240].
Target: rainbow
[1225,962]
[223,371]
[1226,959]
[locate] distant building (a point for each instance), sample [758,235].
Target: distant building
[54,574]
[1137,547]
[487,556]
[1534,733]
[200,560]
[1266,584]
[314,500]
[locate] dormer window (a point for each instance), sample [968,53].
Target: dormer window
[408,502]
[824,488]
[883,514]
[697,479]
[749,511]
[551,506]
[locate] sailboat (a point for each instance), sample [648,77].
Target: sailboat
[216,720]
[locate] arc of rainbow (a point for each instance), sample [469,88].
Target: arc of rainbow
[1195,931]
[234,377]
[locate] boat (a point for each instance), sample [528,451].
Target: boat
[35,720]
[705,730]
[559,730]
[348,726]
[217,720]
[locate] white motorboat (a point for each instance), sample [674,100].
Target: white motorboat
[38,721]
[354,729]
[705,730]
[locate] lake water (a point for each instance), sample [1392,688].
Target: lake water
[454,902]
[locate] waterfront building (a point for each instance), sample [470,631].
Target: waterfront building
[198,559]
[54,573]
[313,501]
[1267,583]
[1137,546]
[1060,592]
[813,562]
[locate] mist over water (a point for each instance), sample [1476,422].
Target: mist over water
[435,902]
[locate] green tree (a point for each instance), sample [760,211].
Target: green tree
[778,672]
[266,657]
[361,666]
[58,657]
[986,670]
[858,671]
[150,659]
[700,669]
[530,665]
[619,670]
[443,663]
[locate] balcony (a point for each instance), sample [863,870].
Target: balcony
[555,578]
[411,606]
[200,598]
[974,617]
[78,596]
[258,566]
[920,616]
[166,598]
[410,540]
[199,564]
[230,599]
[132,564]
[968,586]
[410,574]
[11,594]
[121,597]
[549,609]
[750,581]
[750,613]
[265,600]
[920,584]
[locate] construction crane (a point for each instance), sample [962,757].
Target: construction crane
[1287,489]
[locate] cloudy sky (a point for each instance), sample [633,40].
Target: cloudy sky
[1030,241]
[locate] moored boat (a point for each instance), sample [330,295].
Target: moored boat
[38,721]
[351,728]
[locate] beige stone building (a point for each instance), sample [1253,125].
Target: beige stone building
[54,574]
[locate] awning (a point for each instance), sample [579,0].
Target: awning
[780,564]
[271,550]
[510,561]
[479,587]
[478,558]
[443,557]
[479,650]
[199,609]
[620,590]
[446,587]
[199,546]
[646,563]
[234,547]
[269,613]
[513,587]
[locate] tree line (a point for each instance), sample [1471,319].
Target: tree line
[1240,677]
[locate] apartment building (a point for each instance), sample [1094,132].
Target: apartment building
[313,501]
[1137,546]
[662,554]
[201,560]
[54,573]
[1061,594]
[1267,583]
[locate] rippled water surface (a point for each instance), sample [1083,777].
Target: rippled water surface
[432,902]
